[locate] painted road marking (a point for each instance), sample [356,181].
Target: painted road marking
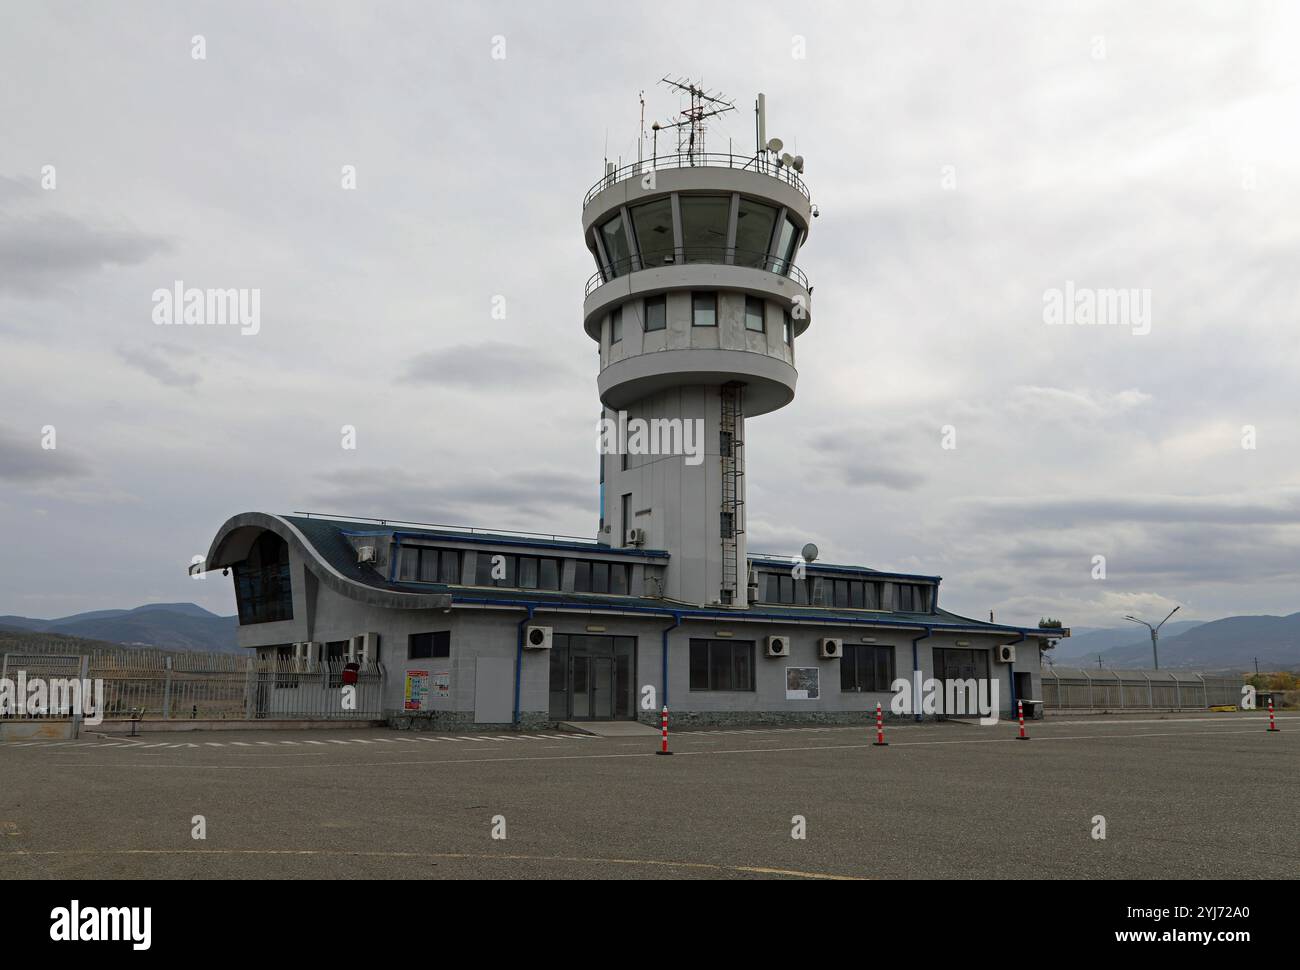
[649,754]
[661,863]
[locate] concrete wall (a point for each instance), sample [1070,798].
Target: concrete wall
[478,634]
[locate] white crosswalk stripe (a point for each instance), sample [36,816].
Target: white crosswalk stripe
[432,739]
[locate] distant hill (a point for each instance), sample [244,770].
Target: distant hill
[1231,643]
[172,626]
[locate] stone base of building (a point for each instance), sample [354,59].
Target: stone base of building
[689,719]
[463,721]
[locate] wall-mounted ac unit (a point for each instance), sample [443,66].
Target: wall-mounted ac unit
[305,656]
[367,554]
[537,637]
[363,649]
[830,648]
[636,537]
[778,646]
[1005,653]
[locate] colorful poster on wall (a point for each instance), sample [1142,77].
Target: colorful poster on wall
[442,684]
[802,683]
[417,689]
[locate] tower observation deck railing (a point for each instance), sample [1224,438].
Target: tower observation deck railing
[751,163]
[717,255]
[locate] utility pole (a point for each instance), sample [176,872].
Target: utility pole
[1155,633]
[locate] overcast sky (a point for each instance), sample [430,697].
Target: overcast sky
[967,158]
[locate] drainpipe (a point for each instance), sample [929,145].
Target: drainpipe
[519,660]
[677,621]
[1011,672]
[916,667]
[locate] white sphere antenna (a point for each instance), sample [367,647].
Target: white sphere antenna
[809,552]
[774,145]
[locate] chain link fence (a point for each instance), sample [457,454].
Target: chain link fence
[1108,690]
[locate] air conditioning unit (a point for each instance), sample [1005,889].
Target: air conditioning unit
[636,537]
[366,554]
[778,646]
[1005,653]
[537,637]
[363,649]
[831,648]
[304,656]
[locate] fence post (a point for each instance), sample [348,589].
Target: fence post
[1086,677]
[1205,692]
[84,674]
[167,688]
[1119,681]
[1151,701]
[250,688]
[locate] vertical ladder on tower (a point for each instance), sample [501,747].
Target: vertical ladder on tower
[732,510]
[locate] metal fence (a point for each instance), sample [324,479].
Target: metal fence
[152,685]
[1104,689]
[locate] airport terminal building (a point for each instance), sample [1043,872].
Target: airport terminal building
[697,305]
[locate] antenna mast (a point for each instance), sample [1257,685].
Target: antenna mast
[701,105]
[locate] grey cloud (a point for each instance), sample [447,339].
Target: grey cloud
[1173,509]
[489,365]
[855,456]
[41,254]
[530,499]
[156,365]
[23,461]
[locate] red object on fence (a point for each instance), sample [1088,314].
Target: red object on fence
[880,729]
[1020,714]
[664,749]
[1272,725]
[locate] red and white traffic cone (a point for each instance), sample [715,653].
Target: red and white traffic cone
[1020,715]
[880,729]
[1272,725]
[664,749]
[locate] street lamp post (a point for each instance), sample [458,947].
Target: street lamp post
[1155,633]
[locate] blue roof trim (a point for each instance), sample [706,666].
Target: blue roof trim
[923,621]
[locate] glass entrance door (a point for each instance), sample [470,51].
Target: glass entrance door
[591,677]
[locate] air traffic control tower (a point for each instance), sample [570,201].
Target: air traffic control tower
[696,304]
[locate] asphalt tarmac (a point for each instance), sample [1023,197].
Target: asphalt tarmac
[1206,796]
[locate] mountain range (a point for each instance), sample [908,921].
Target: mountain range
[1232,643]
[175,626]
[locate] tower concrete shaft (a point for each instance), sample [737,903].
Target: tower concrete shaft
[696,305]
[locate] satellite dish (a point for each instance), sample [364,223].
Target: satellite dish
[774,145]
[787,160]
[798,163]
[809,552]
